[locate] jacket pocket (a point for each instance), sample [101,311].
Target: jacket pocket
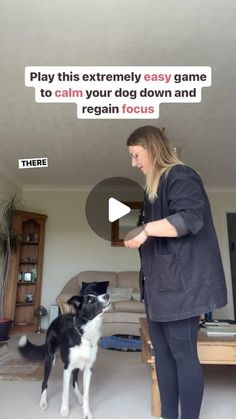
[167,273]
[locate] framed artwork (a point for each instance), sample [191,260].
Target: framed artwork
[28,298]
[27,277]
[122,226]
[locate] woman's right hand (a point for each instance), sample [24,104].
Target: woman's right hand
[135,238]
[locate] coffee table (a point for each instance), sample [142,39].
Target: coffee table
[220,350]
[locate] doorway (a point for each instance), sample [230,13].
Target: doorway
[231,226]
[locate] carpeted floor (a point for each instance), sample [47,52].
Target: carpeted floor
[13,367]
[120,387]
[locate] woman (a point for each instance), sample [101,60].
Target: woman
[181,267]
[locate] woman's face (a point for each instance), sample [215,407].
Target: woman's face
[140,158]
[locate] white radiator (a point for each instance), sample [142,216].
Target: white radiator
[54,312]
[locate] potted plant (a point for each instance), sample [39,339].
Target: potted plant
[8,243]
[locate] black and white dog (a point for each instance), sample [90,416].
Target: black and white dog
[76,337]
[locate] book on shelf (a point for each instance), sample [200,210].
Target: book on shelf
[217,323]
[228,330]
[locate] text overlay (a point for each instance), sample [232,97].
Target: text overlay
[32,163]
[118,92]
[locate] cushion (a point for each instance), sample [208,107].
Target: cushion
[128,279]
[129,307]
[65,308]
[119,294]
[96,288]
[136,295]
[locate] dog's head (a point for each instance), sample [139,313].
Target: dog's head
[90,305]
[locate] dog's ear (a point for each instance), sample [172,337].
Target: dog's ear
[75,301]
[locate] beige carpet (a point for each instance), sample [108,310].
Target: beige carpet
[120,388]
[13,367]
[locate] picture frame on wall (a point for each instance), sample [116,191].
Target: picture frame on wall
[28,298]
[27,276]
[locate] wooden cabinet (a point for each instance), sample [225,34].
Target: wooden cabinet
[23,293]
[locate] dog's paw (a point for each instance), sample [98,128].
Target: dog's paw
[64,412]
[43,404]
[88,415]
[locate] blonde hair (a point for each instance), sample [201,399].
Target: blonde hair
[160,152]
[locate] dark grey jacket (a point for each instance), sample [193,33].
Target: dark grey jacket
[184,276]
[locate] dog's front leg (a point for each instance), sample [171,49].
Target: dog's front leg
[75,384]
[86,385]
[65,393]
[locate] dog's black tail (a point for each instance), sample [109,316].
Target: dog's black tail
[30,351]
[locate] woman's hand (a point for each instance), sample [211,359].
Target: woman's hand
[160,228]
[135,238]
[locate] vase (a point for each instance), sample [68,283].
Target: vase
[5,325]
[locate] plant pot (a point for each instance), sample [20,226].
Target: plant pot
[5,325]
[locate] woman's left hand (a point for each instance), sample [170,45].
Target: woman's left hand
[135,238]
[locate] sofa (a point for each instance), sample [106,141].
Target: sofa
[123,288]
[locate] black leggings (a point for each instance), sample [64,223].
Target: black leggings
[179,371]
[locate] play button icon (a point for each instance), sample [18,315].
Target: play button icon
[117,210]
[109,201]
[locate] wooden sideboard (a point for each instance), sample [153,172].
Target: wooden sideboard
[220,350]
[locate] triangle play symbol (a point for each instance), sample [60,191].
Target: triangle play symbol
[116,209]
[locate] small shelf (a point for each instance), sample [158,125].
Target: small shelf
[25,243]
[23,293]
[27,263]
[27,283]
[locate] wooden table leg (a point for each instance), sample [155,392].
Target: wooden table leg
[148,357]
[156,401]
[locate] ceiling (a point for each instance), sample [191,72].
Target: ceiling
[115,33]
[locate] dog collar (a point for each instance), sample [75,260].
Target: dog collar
[79,331]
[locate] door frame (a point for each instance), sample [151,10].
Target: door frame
[225,253]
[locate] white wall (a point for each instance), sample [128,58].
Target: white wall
[7,187]
[221,203]
[71,245]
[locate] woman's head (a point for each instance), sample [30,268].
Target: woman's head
[152,153]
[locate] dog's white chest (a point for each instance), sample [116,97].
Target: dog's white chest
[86,352]
[81,354]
